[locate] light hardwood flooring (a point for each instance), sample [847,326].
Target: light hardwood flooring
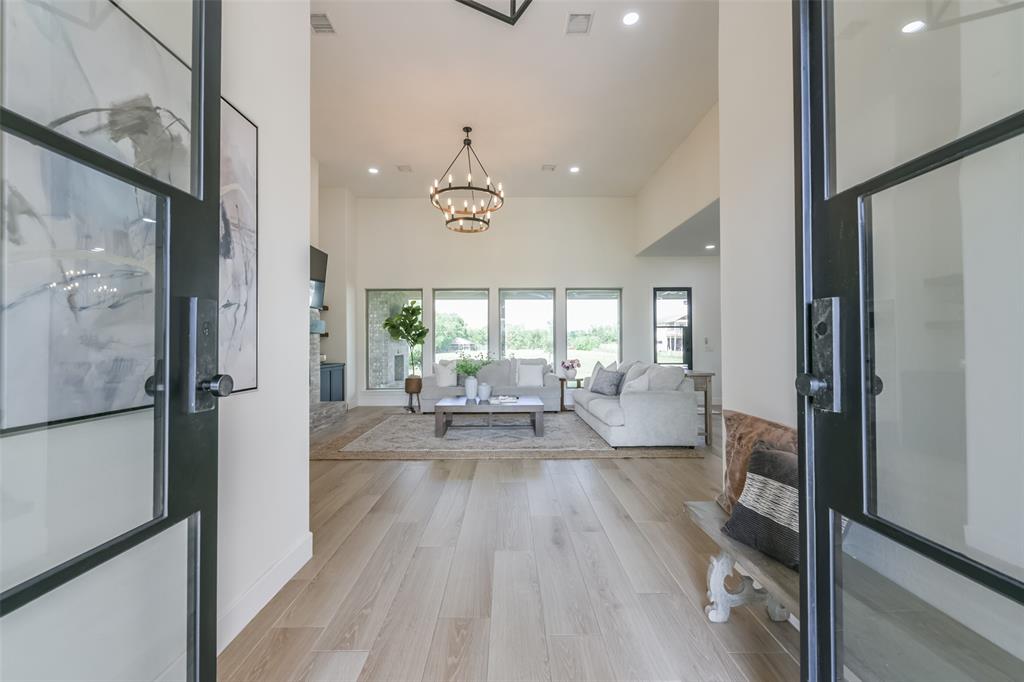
[507,570]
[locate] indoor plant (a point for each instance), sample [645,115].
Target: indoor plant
[469,365]
[407,325]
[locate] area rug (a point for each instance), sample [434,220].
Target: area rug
[566,436]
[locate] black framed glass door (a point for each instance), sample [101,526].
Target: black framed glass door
[910,123]
[108,425]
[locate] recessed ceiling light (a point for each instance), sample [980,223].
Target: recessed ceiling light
[148,220]
[709,247]
[372,170]
[630,18]
[915,26]
[97,249]
[574,169]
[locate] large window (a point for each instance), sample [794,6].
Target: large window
[673,326]
[527,323]
[388,362]
[460,322]
[593,325]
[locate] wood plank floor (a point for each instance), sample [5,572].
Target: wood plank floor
[506,570]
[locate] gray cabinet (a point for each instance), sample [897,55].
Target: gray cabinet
[332,381]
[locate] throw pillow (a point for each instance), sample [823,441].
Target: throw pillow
[665,378]
[637,369]
[446,375]
[531,375]
[767,515]
[590,380]
[742,433]
[641,383]
[606,382]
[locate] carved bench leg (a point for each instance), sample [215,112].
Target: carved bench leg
[722,600]
[777,612]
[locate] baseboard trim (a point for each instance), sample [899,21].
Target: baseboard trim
[245,608]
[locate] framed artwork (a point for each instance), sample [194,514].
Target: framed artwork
[239,262]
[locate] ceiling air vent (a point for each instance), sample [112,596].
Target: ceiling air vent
[320,23]
[578,24]
[404,168]
[548,168]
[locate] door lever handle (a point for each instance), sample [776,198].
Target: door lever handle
[810,386]
[220,385]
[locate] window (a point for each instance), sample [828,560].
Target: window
[388,362]
[460,322]
[673,327]
[593,326]
[527,323]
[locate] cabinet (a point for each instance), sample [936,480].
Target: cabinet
[332,381]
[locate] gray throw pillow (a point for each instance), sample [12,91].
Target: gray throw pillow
[606,382]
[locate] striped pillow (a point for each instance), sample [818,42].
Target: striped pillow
[767,514]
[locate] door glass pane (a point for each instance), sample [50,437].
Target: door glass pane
[88,70]
[127,619]
[388,361]
[460,323]
[527,319]
[81,311]
[901,616]
[946,305]
[912,76]
[593,330]
[672,332]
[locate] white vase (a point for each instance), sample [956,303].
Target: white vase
[484,392]
[570,373]
[471,387]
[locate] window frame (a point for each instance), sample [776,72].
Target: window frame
[433,316]
[618,290]
[687,362]
[366,330]
[554,319]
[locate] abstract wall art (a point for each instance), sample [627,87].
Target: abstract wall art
[238,247]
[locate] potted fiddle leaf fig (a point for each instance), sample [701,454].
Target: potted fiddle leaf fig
[407,325]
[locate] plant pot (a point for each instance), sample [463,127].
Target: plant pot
[570,373]
[484,392]
[413,384]
[471,387]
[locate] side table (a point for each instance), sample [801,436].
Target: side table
[562,381]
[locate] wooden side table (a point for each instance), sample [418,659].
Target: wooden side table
[702,382]
[562,381]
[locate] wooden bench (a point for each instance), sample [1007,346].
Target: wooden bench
[778,587]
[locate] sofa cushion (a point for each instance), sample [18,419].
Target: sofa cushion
[767,515]
[530,375]
[641,383]
[606,382]
[607,410]
[445,373]
[497,373]
[583,397]
[664,378]
[636,370]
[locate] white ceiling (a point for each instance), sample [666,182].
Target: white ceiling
[398,81]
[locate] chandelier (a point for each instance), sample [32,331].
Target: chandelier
[467,208]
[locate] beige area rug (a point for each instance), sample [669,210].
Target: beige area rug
[566,436]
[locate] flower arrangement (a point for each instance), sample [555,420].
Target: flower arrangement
[471,364]
[571,364]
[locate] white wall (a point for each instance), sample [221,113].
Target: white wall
[264,434]
[755,86]
[564,242]
[314,202]
[337,238]
[682,186]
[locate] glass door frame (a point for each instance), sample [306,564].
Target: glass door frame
[189,485]
[836,448]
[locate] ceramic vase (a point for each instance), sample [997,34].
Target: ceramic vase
[484,391]
[570,373]
[471,388]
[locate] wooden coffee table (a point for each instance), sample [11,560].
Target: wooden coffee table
[446,409]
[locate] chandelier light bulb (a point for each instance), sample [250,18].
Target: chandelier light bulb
[488,180]
[449,179]
[499,186]
[435,182]
[465,203]
[469,178]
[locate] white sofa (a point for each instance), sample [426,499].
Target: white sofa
[501,375]
[664,414]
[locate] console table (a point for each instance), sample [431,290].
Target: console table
[702,382]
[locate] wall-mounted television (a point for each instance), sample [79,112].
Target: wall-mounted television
[317,277]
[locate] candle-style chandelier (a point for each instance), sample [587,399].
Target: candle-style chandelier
[467,208]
